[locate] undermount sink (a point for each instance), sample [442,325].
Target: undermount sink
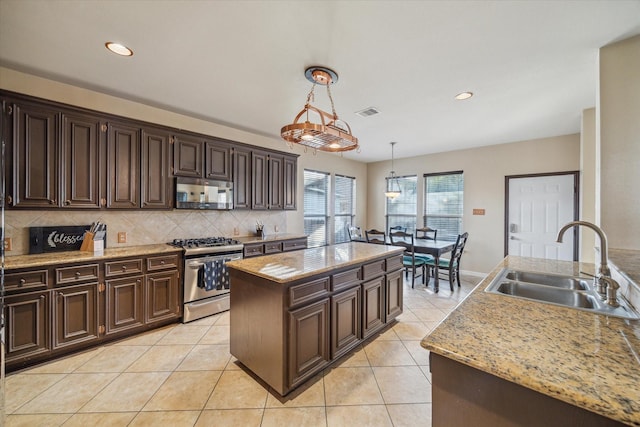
[566,291]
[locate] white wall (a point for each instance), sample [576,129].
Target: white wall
[148,227]
[484,169]
[618,137]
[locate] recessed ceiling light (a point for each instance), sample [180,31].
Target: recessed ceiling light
[464,95]
[119,49]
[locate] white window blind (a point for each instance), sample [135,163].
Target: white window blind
[443,203]
[402,210]
[344,207]
[316,196]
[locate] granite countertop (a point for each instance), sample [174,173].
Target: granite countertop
[38,260]
[627,262]
[585,359]
[269,238]
[289,266]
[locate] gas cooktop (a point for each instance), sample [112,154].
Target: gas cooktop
[205,245]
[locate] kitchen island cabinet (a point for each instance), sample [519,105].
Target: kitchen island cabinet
[504,361]
[294,313]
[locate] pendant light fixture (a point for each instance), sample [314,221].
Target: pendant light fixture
[393,191]
[330,134]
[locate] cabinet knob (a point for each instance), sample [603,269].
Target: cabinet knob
[138,281]
[77,274]
[67,202]
[22,282]
[9,200]
[162,262]
[124,268]
[52,201]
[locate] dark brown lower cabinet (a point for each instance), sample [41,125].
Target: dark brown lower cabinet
[346,322]
[162,295]
[28,325]
[75,315]
[393,300]
[125,308]
[309,344]
[373,306]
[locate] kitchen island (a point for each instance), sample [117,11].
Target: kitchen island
[503,361]
[294,313]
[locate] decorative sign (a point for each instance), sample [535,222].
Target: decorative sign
[56,239]
[478,211]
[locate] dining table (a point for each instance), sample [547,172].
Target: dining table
[435,248]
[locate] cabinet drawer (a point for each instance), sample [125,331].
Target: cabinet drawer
[253,250]
[162,262]
[394,263]
[294,245]
[273,247]
[309,291]
[345,279]
[373,269]
[118,268]
[27,280]
[76,274]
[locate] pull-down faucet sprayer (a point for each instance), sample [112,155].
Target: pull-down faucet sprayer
[606,287]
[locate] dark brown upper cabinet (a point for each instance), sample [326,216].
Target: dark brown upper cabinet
[80,163]
[123,165]
[241,178]
[290,177]
[157,186]
[217,156]
[259,180]
[35,156]
[187,156]
[276,184]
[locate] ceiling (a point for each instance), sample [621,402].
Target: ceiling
[532,65]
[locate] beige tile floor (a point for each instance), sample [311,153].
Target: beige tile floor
[184,375]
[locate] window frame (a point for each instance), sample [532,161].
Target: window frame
[325,217]
[425,216]
[342,236]
[409,219]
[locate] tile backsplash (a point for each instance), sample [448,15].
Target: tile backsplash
[145,227]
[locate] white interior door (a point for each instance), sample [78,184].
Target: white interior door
[538,207]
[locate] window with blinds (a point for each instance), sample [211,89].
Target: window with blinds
[316,197]
[344,207]
[401,211]
[443,203]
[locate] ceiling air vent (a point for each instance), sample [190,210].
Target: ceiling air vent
[367,112]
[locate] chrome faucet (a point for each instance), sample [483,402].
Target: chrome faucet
[606,287]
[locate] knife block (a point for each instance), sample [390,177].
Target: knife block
[90,245]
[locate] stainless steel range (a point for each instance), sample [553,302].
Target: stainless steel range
[206,281]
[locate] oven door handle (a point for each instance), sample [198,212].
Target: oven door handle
[197,265]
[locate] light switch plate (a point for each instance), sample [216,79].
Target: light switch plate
[478,211]
[122,237]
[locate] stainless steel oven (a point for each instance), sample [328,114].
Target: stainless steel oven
[204,293]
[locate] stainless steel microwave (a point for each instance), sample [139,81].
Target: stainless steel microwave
[195,193]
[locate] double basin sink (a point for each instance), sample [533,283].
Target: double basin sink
[566,291]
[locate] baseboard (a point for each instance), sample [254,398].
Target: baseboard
[473,273]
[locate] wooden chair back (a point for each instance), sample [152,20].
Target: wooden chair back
[355,233]
[375,236]
[426,233]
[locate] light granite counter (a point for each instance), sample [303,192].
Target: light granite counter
[584,359]
[269,238]
[288,266]
[53,258]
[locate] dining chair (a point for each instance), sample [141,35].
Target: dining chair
[409,258]
[355,234]
[426,233]
[375,236]
[398,228]
[452,265]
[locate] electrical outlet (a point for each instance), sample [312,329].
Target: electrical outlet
[122,237]
[7,243]
[236,232]
[276,228]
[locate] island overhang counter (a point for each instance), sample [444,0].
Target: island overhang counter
[294,313]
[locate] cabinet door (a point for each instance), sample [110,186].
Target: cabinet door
[372,306]
[276,186]
[217,156]
[259,180]
[162,293]
[75,314]
[157,187]
[241,179]
[394,295]
[125,309]
[309,340]
[81,142]
[346,322]
[27,325]
[187,156]
[35,156]
[123,165]
[290,177]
